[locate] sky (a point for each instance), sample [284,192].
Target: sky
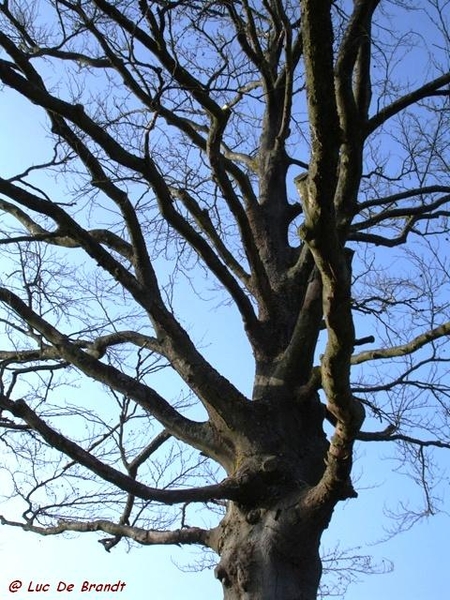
[420,569]
[29,563]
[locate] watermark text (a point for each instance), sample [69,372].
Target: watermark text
[41,587]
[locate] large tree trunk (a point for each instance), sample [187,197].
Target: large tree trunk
[268,542]
[270,553]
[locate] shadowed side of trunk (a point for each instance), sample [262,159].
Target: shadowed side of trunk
[270,553]
[268,541]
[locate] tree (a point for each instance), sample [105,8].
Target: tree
[286,158]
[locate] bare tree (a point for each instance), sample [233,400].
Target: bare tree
[288,159]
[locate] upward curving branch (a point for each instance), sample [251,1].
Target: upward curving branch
[227,489]
[425,91]
[146,537]
[403,349]
[178,131]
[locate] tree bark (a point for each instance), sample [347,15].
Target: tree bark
[269,539]
[270,553]
[176,168]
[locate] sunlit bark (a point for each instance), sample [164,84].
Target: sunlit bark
[178,131]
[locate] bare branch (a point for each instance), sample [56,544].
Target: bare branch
[186,535]
[388,436]
[402,103]
[413,213]
[145,396]
[404,349]
[38,233]
[225,490]
[410,193]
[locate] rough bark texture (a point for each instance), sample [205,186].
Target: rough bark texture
[240,139]
[269,540]
[271,552]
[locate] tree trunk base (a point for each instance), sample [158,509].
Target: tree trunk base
[269,554]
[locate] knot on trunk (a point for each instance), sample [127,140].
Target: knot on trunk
[253,516]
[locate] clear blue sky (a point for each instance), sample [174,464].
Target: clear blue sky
[420,556]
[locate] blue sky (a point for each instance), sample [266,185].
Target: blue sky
[419,555]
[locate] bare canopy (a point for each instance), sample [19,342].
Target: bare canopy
[285,160]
